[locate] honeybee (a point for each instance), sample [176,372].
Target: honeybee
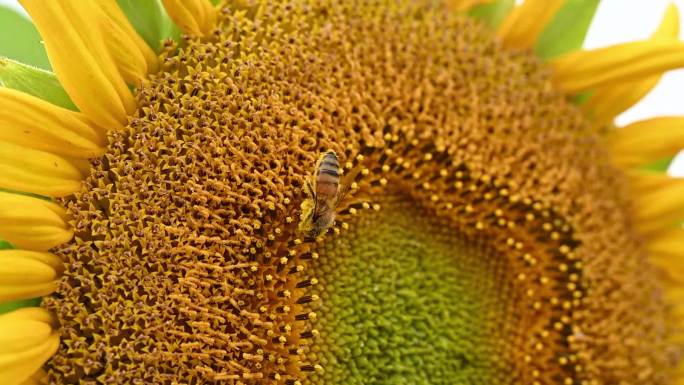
[324,192]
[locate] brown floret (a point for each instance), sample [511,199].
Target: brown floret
[187,268]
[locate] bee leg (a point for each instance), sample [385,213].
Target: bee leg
[310,191]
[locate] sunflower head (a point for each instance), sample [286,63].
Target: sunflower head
[336,193]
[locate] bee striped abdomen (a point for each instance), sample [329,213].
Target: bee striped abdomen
[327,177]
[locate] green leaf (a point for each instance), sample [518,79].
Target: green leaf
[9,306]
[34,81]
[20,40]
[492,13]
[567,30]
[150,19]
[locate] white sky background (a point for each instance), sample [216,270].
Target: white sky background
[620,21]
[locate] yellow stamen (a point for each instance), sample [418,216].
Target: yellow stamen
[196,17]
[583,70]
[464,5]
[658,209]
[32,122]
[27,340]
[32,223]
[608,102]
[647,141]
[27,274]
[39,172]
[522,27]
[76,47]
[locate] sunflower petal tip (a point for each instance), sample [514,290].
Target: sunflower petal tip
[27,340]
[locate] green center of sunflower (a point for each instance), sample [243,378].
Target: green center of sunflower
[405,301]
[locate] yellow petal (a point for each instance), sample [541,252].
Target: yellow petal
[647,141]
[80,60]
[17,367]
[608,102]
[22,367]
[27,291]
[196,17]
[32,122]
[643,182]
[18,335]
[668,246]
[464,5]
[522,27]
[205,13]
[32,223]
[109,45]
[670,261]
[98,27]
[38,172]
[658,209]
[28,313]
[19,271]
[669,26]
[28,274]
[27,340]
[39,378]
[671,271]
[675,295]
[23,291]
[583,70]
[112,9]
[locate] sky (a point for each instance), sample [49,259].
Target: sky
[619,21]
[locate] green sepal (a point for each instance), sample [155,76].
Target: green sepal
[4,245]
[661,165]
[567,29]
[14,305]
[34,81]
[150,20]
[20,40]
[492,13]
[581,98]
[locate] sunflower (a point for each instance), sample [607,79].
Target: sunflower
[492,225]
